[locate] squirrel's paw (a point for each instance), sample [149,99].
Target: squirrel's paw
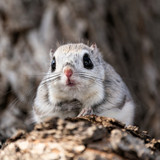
[85,111]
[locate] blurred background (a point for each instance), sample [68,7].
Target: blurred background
[126,31]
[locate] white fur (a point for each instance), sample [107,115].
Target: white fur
[125,115]
[106,88]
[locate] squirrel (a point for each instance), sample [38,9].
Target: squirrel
[79,82]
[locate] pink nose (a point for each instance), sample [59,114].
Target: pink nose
[68,72]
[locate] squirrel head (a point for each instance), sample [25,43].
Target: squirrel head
[76,66]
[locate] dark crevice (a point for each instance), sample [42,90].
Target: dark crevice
[110,19]
[136,88]
[6,98]
[126,55]
[86,34]
[3,15]
[111,41]
[14,37]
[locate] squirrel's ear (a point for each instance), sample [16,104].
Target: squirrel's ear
[94,47]
[51,53]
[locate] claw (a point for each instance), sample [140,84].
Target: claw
[85,111]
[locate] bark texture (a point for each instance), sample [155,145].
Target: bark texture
[84,138]
[126,31]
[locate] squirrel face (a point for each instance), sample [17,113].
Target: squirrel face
[76,67]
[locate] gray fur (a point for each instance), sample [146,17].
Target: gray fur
[99,91]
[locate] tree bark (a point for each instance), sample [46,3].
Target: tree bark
[87,138]
[126,31]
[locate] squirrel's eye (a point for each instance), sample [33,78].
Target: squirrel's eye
[87,61]
[53,64]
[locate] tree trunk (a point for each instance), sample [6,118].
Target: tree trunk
[126,31]
[87,138]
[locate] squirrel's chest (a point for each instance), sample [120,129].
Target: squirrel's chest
[68,106]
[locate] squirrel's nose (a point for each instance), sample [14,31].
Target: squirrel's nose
[68,72]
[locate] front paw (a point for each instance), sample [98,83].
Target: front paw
[85,111]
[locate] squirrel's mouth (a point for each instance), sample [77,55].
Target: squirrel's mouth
[70,82]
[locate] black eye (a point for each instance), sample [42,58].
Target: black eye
[53,64]
[87,62]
